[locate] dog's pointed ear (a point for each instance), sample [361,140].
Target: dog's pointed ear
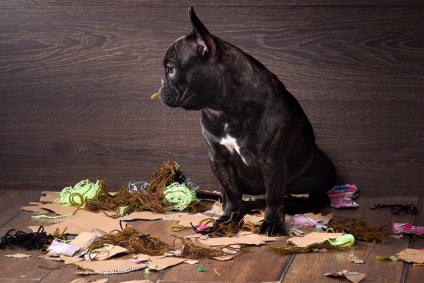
[204,40]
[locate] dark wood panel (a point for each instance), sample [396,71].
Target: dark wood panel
[76,80]
[210,4]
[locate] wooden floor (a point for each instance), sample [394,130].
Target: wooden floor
[256,265]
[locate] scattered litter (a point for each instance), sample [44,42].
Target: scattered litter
[392,258]
[214,270]
[29,241]
[398,208]
[18,255]
[352,276]
[412,256]
[201,268]
[310,220]
[406,228]
[361,230]
[83,280]
[342,196]
[58,248]
[116,266]
[354,259]
[316,242]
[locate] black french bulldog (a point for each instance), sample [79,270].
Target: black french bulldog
[258,137]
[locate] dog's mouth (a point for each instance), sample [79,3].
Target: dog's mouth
[173,96]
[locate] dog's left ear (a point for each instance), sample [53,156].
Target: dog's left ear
[202,37]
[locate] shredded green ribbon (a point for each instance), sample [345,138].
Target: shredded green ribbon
[77,195]
[180,196]
[345,240]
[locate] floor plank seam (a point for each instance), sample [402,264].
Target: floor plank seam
[286,268]
[406,266]
[2,225]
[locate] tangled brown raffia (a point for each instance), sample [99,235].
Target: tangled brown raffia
[124,202]
[361,230]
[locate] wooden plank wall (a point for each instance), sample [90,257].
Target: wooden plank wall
[76,79]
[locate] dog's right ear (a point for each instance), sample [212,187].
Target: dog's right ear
[202,37]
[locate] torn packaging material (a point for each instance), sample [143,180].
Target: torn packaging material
[352,276]
[108,267]
[57,248]
[412,255]
[342,196]
[83,221]
[125,265]
[313,238]
[406,228]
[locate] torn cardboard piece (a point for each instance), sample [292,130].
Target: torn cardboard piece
[82,280]
[18,255]
[44,208]
[82,221]
[238,239]
[352,276]
[149,215]
[84,239]
[106,253]
[412,256]
[254,218]
[195,219]
[34,208]
[49,196]
[354,259]
[312,238]
[160,262]
[216,210]
[108,266]
[126,265]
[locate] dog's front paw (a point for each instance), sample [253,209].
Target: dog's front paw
[272,229]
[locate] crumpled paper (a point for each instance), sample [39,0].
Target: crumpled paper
[352,276]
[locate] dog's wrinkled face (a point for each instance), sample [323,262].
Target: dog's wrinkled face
[190,71]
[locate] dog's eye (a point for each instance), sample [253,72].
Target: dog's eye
[170,70]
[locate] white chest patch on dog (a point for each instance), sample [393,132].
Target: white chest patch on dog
[231,144]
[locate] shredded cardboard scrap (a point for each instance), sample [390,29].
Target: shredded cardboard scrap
[238,239]
[313,238]
[106,253]
[82,280]
[412,255]
[126,265]
[149,215]
[185,220]
[253,218]
[354,259]
[82,221]
[160,262]
[216,210]
[50,207]
[108,266]
[49,196]
[18,255]
[352,276]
